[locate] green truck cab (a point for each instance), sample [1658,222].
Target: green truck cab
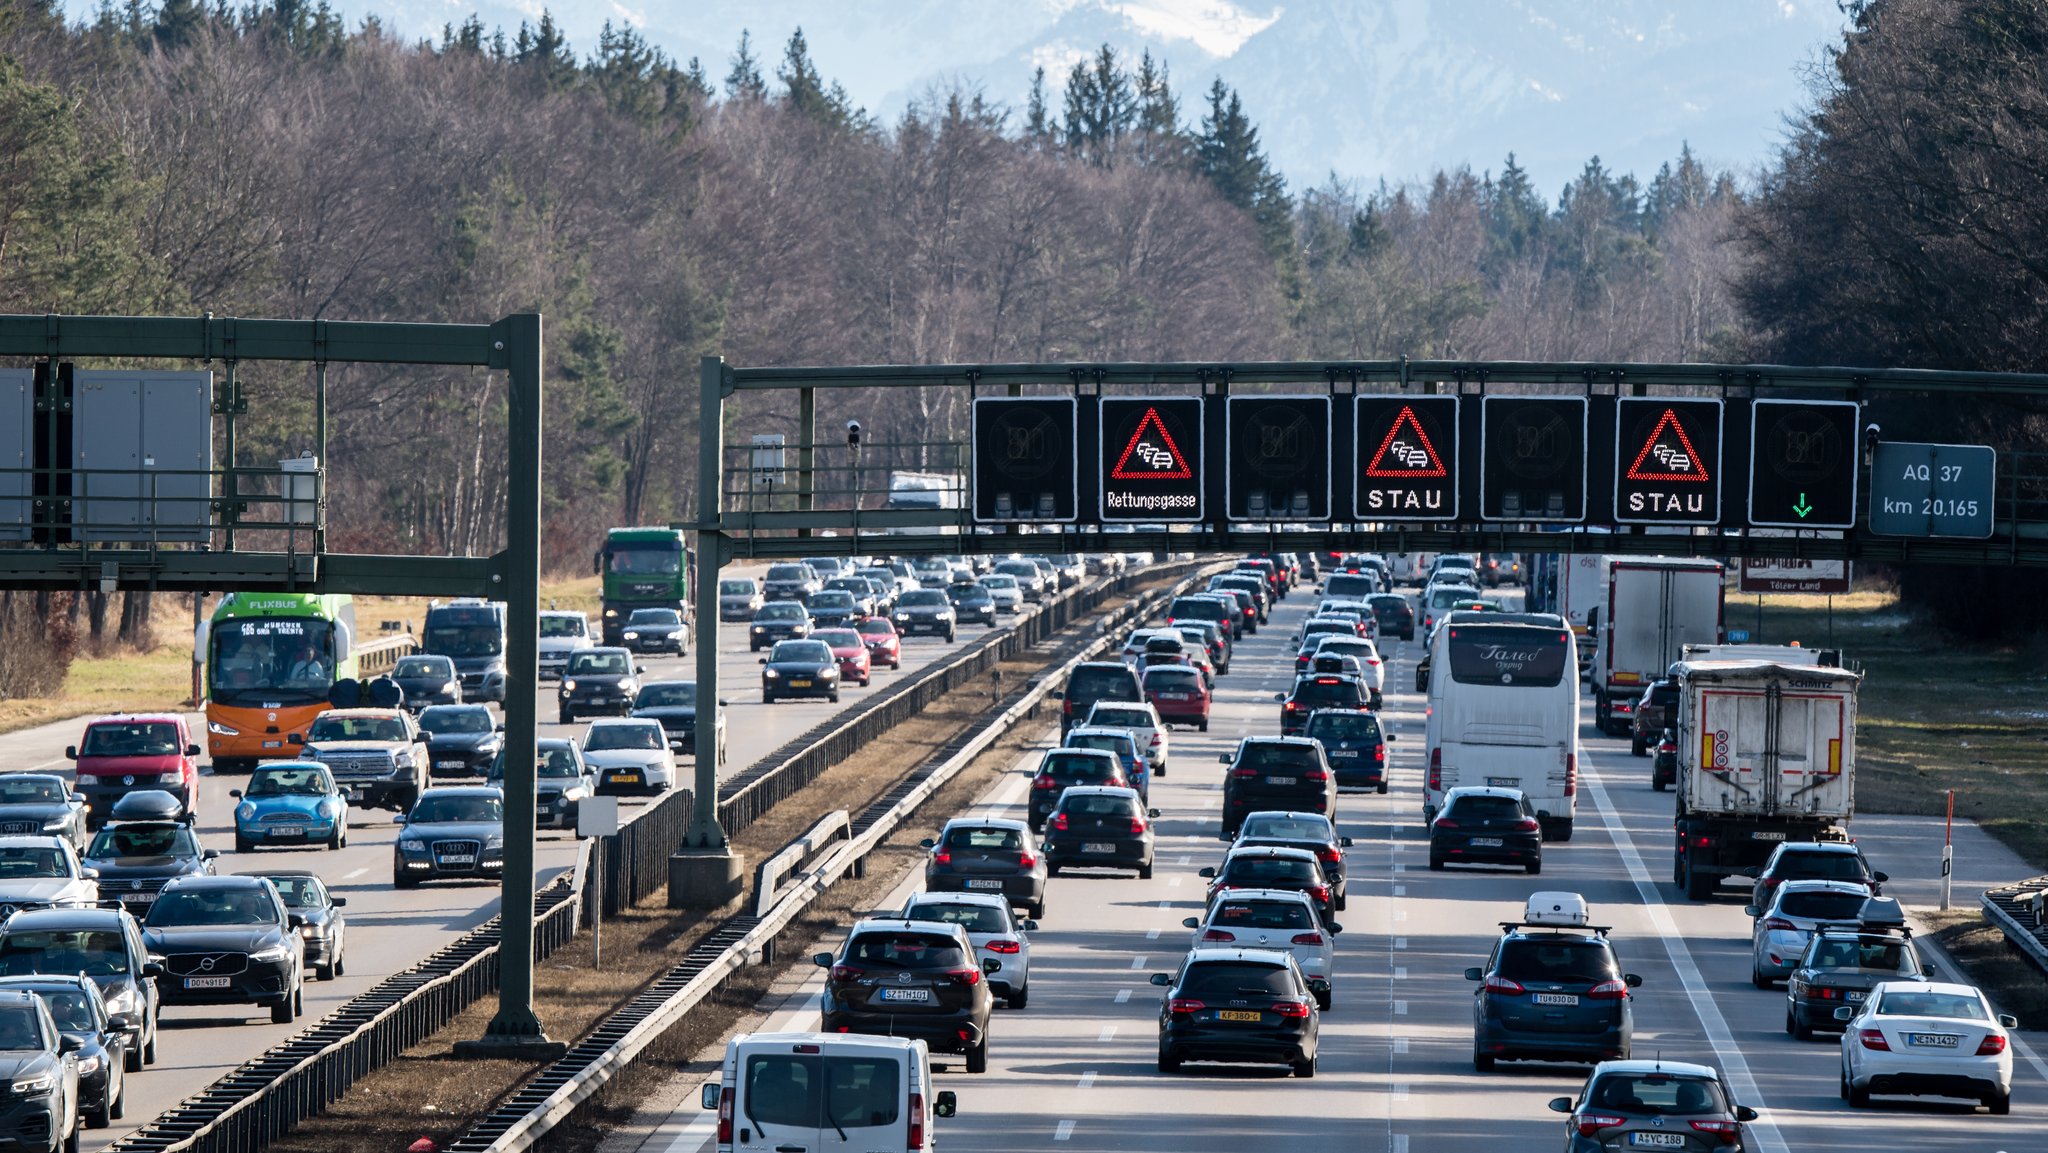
[640,568]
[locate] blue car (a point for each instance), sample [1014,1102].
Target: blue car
[290,803]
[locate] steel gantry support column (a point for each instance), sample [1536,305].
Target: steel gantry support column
[705,872]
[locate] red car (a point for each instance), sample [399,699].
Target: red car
[852,651]
[885,644]
[1178,693]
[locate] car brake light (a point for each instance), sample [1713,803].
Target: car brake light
[1873,1039]
[1725,1130]
[1319,892]
[1436,769]
[1779,925]
[1059,821]
[1326,680]
[1608,991]
[1291,1008]
[1373,661]
[1315,775]
[967,977]
[916,1122]
[1044,781]
[1004,946]
[1529,824]
[1503,985]
[1219,935]
[1331,854]
[1185,1005]
[1379,752]
[1992,1045]
[845,973]
[1308,938]
[1137,826]
[1027,859]
[1444,823]
[942,856]
[1590,1124]
[1244,774]
[1067,707]
[725,1116]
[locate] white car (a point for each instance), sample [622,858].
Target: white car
[995,929]
[629,755]
[1002,589]
[1273,919]
[562,633]
[41,872]
[1926,1039]
[1141,720]
[1371,667]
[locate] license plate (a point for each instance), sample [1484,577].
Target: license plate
[799,684]
[626,778]
[1932,1040]
[457,859]
[273,744]
[917,995]
[1853,998]
[985,883]
[1236,1015]
[1173,696]
[138,898]
[1555,998]
[1353,753]
[1098,847]
[1658,1140]
[447,764]
[355,793]
[543,808]
[1280,780]
[1486,842]
[287,830]
[1503,782]
[207,983]
[1762,835]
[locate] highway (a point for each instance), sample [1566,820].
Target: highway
[389,931]
[1077,1069]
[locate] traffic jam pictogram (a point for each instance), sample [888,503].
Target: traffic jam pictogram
[1409,449]
[1667,461]
[1151,458]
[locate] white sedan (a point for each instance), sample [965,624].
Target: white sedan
[1923,1039]
[629,755]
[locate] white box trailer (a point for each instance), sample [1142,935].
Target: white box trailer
[1655,607]
[1766,754]
[1581,591]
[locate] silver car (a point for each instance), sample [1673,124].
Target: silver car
[1782,930]
[629,755]
[739,598]
[1141,720]
[1273,919]
[995,929]
[1002,588]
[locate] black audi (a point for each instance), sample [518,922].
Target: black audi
[81,1016]
[455,832]
[598,681]
[428,680]
[462,740]
[227,941]
[41,803]
[799,669]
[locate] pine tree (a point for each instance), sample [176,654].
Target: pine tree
[743,82]
[1227,154]
[1037,119]
[1515,214]
[805,90]
[544,52]
[1161,142]
[1675,190]
[1100,108]
[178,23]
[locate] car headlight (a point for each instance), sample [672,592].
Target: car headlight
[124,1000]
[494,841]
[221,730]
[828,672]
[87,1066]
[902,616]
[412,845]
[245,812]
[272,954]
[760,628]
[326,808]
[33,1086]
[446,687]
[632,636]
[610,613]
[771,674]
[404,759]
[55,824]
[568,686]
[308,931]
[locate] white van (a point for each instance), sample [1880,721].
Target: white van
[826,1091]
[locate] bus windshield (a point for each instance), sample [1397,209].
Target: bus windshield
[277,660]
[1517,656]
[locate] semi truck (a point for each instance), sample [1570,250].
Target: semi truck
[645,567]
[1655,606]
[1766,755]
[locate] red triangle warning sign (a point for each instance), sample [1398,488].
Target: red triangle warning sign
[1669,457]
[1409,447]
[1158,457]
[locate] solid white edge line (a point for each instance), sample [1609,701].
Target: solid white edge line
[1763,1131]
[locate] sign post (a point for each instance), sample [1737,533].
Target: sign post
[598,818]
[1151,458]
[1930,490]
[1948,849]
[1406,452]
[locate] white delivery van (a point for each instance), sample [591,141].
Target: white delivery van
[826,1093]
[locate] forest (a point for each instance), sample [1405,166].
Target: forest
[266,159]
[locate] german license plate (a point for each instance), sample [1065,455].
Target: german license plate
[207,983]
[915,995]
[1279,780]
[138,898]
[1555,998]
[448,764]
[1766,835]
[1486,842]
[1236,1015]
[544,809]
[457,858]
[1853,998]
[1504,782]
[1173,696]
[1352,753]
[1658,1140]
[985,883]
[626,778]
[799,684]
[1932,1040]
[273,744]
[1097,847]
[287,830]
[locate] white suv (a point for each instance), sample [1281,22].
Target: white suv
[561,633]
[1141,720]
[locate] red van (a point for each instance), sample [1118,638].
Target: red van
[122,754]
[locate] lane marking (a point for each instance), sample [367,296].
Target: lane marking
[1400,1008]
[1065,1130]
[1186,859]
[352,876]
[1400,942]
[1138,962]
[1400,890]
[1400,972]
[1400,1092]
[1087,1080]
[1400,1143]
[1108,1031]
[1173,882]
[1151,934]
[1400,1044]
[1400,914]
[1122,995]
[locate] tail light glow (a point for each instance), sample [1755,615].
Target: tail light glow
[1992,1045]
[967,977]
[1308,939]
[1059,822]
[1607,991]
[916,1121]
[1004,946]
[1725,1130]
[1436,769]
[1185,1005]
[1027,859]
[725,1115]
[1497,984]
[942,856]
[1219,935]
[1571,774]
[1044,781]
[1873,1039]
[1295,1009]
[1590,1124]
[1779,925]
[1137,826]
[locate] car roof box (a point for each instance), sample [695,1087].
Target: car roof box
[148,805]
[1561,909]
[1882,912]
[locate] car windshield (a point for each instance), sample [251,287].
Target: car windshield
[1557,960]
[261,659]
[736,588]
[1656,1094]
[985,838]
[876,627]
[595,664]
[1121,746]
[94,952]
[969,594]
[1254,871]
[822,1093]
[789,572]
[292,782]
[299,892]
[117,841]
[999,581]
[832,599]
[466,640]
[1122,718]
[907,951]
[71,1008]
[923,598]
[563,627]
[973,918]
[210,906]
[1090,767]
[604,737]
[19,1028]
[1819,866]
[837,638]
[1931,1003]
[1178,677]
[1277,757]
[466,808]
[781,611]
[558,760]
[425,668]
[651,558]
[1344,726]
[1262,915]
[655,617]
[466,719]
[1284,825]
[800,652]
[17,861]
[1887,955]
[1232,980]
[1484,809]
[1099,684]
[1328,691]
[130,739]
[669,695]
[1098,805]
[1821,906]
[1444,598]
[22,789]
[332,728]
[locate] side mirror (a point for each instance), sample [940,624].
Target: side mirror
[764,660]
[1191,922]
[70,752]
[1207,871]
[1162,979]
[640,670]
[235,793]
[152,969]
[1344,841]
[427,735]
[990,965]
[2008,1020]
[1631,980]
[1391,738]
[1222,758]
[822,960]
[295,920]
[708,1097]
[1881,878]
[1335,928]
[1472,974]
[500,727]
[945,1104]
[1752,912]
[1057,694]
[89,874]
[1752,871]
[66,1043]
[927,843]
[723,703]
[1152,813]
[209,854]
[338,902]
[1028,925]
[1279,696]
[1560,1104]
[1744,1113]
[191,750]
[1845,1013]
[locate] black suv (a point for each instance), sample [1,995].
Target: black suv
[1276,773]
[1551,993]
[1395,615]
[1216,607]
[1354,744]
[898,978]
[778,621]
[462,740]
[1093,681]
[104,944]
[598,681]
[1257,867]
[228,941]
[1062,768]
[791,582]
[1320,691]
[137,856]
[1238,1005]
[42,1110]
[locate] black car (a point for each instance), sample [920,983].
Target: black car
[1098,827]
[799,669]
[455,832]
[1093,681]
[228,941]
[674,704]
[971,603]
[1239,1006]
[1253,586]
[1311,831]
[1286,773]
[924,611]
[778,621]
[834,609]
[1247,606]
[1842,963]
[1063,768]
[1354,744]
[562,780]
[136,857]
[1219,610]
[1395,615]
[656,630]
[598,681]
[104,944]
[1296,870]
[1656,711]
[987,855]
[858,587]
[462,740]
[1551,993]
[80,1014]
[1482,825]
[41,804]
[41,1110]
[898,978]
[321,925]
[793,581]
[1320,691]
[1664,770]
[427,680]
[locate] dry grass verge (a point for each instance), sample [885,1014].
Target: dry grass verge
[1992,963]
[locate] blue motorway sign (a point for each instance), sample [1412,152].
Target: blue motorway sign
[1929,490]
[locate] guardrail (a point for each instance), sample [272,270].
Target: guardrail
[380,656]
[557,1091]
[768,874]
[2019,911]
